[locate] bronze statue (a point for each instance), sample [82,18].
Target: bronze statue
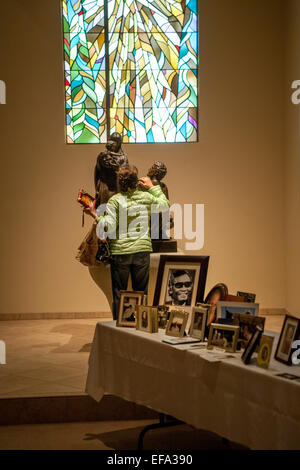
[156,173]
[163,244]
[108,164]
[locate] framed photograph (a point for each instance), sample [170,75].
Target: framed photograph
[226,310]
[177,323]
[223,337]
[198,321]
[147,319]
[265,351]
[289,333]
[128,303]
[247,324]
[250,297]
[181,280]
[252,345]
[163,314]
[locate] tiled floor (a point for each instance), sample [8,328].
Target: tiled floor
[50,357]
[45,357]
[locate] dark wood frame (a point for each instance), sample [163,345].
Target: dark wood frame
[289,361]
[201,260]
[222,287]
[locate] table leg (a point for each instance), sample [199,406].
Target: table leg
[162,424]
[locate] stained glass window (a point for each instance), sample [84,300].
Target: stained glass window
[131,67]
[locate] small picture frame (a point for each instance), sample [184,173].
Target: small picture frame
[250,297]
[163,314]
[147,319]
[198,322]
[223,337]
[226,309]
[252,345]
[127,312]
[177,323]
[289,333]
[247,324]
[265,351]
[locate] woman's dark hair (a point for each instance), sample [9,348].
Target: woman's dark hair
[127,179]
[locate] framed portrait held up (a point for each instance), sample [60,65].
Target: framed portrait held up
[290,332]
[223,337]
[128,303]
[177,323]
[198,322]
[181,280]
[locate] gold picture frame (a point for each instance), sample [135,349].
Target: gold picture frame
[177,323]
[127,311]
[223,337]
[147,319]
[199,321]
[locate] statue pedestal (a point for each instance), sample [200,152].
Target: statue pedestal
[101,276]
[164,246]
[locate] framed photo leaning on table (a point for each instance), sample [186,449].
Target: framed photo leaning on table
[147,319]
[290,332]
[223,337]
[198,322]
[128,303]
[177,323]
[181,280]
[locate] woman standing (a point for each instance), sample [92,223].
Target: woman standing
[127,225]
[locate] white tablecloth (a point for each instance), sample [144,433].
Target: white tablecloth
[245,404]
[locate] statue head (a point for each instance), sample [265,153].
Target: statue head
[158,171]
[114,142]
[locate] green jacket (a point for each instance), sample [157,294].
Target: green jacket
[131,235]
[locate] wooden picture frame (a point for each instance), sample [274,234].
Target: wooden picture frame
[196,270]
[127,310]
[252,345]
[221,288]
[284,348]
[226,330]
[177,323]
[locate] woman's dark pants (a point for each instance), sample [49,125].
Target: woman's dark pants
[121,266]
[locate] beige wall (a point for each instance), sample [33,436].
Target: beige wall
[236,169]
[292,160]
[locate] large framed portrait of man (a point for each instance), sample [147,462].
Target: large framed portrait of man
[181,280]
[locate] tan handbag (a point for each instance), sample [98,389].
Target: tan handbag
[87,251]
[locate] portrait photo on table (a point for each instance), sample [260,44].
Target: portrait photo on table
[128,303]
[147,319]
[181,280]
[198,322]
[177,323]
[290,332]
[223,337]
[163,314]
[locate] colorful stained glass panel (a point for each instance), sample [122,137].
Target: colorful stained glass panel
[140,59]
